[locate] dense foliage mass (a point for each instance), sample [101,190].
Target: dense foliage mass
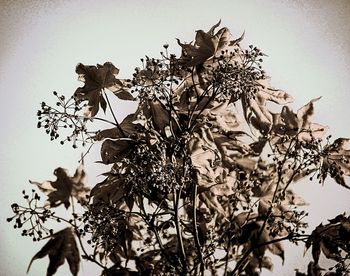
[199,177]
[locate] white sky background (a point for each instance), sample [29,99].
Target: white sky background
[307,42]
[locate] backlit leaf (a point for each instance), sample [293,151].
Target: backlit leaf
[65,186]
[97,78]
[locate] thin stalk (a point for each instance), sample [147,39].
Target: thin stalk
[227,256]
[86,255]
[178,230]
[251,249]
[154,229]
[114,117]
[196,238]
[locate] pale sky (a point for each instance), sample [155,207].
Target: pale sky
[307,43]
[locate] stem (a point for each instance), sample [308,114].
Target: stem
[227,256]
[86,255]
[178,230]
[144,216]
[251,249]
[279,172]
[114,117]
[196,238]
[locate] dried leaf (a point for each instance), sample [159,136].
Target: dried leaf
[60,191]
[212,203]
[206,45]
[121,90]
[222,117]
[294,199]
[308,129]
[330,239]
[61,246]
[276,248]
[256,110]
[336,162]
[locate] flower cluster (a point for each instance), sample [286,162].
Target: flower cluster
[65,115]
[33,215]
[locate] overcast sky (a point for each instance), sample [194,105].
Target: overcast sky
[307,43]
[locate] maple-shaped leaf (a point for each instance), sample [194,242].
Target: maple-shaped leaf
[256,110]
[289,123]
[330,239]
[64,187]
[336,161]
[206,45]
[60,247]
[97,78]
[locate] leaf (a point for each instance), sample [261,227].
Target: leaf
[128,126]
[212,203]
[255,264]
[309,130]
[60,191]
[97,78]
[256,110]
[61,246]
[336,161]
[285,123]
[203,151]
[276,248]
[294,199]
[160,116]
[313,269]
[222,117]
[330,239]
[124,95]
[121,90]
[111,189]
[115,150]
[267,93]
[288,123]
[206,45]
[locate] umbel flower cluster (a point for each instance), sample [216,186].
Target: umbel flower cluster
[199,178]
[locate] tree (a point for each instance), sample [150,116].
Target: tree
[198,178]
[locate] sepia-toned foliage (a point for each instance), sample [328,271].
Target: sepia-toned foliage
[198,178]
